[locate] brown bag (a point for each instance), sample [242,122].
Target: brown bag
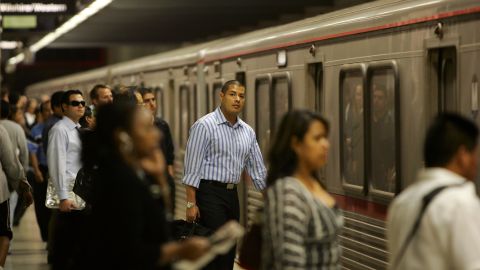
[251,249]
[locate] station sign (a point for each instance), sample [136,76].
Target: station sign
[36,7]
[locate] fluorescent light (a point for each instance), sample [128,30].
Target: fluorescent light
[87,12]
[16,59]
[9,45]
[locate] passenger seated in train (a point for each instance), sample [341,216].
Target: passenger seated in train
[129,226]
[302,222]
[434,223]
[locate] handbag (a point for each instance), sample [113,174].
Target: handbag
[183,229]
[52,201]
[83,186]
[251,249]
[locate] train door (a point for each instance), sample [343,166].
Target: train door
[273,98]
[442,77]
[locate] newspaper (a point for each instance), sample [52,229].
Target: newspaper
[221,242]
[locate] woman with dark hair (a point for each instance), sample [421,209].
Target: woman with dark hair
[129,228]
[88,119]
[301,220]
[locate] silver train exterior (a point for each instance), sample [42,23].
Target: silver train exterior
[425,54]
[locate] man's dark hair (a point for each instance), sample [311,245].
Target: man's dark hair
[56,99]
[144,90]
[227,85]
[445,136]
[43,105]
[5,110]
[94,91]
[67,94]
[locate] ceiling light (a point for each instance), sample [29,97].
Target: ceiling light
[10,45]
[87,12]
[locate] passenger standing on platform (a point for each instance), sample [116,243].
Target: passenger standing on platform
[41,175]
[56,105]
[88,119]
[446,235]
[302,221]
[219,148]
[131,194]
[63,156]
[166,142]
[100,95]
[19,141]
[12,176]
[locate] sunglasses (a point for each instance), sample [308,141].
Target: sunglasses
[75,103]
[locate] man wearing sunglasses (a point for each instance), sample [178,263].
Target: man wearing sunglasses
[63,156]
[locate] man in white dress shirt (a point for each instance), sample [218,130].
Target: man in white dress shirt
[448,234]
[64,162]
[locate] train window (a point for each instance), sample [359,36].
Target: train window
[282,102]
[262,111]
[160,104]
[215,96]
[184,115]
[382,141]
[352,132]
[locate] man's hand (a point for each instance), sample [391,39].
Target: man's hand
[66,205]
[193,213]
[38,176]
[28,198]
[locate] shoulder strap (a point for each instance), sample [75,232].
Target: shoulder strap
[427,199]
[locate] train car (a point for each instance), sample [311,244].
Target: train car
[378,71]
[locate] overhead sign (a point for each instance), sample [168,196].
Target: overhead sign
[36,7]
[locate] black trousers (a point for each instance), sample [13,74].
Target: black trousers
[218,205]
[68,239]
[41,211]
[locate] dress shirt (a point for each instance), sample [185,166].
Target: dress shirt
[219,151]
[449,233]
[51,121]
[11,171]
[18,139]
[63,155]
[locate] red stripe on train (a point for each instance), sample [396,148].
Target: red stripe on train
[362,207]
[354,32]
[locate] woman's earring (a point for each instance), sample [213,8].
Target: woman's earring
[126,144]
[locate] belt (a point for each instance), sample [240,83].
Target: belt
[220,184]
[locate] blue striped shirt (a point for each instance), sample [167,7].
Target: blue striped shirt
[219,151]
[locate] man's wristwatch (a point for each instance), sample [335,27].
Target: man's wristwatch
[190,205]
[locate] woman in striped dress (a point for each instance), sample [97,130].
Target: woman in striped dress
[302,222]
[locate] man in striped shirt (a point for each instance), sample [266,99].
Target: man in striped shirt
[219,148]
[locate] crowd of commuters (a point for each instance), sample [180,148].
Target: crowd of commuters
[119,142]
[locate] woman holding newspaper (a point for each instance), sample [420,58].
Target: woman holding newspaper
[129,222]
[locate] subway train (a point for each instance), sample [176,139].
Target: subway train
[378,71]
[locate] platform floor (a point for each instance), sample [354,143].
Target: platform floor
[27,250]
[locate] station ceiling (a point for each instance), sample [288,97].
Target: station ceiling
[156,22]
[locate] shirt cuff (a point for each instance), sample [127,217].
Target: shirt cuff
[63,195]
[259,184]
[191,180]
